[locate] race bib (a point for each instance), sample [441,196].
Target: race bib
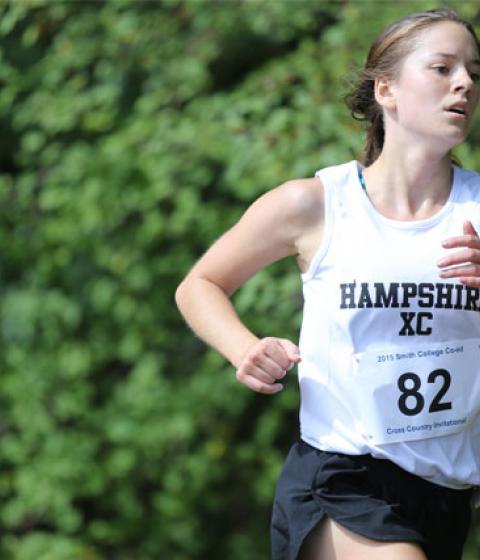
[431,390]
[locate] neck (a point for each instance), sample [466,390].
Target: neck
[410,183]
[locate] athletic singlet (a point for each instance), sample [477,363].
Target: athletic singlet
[391,351]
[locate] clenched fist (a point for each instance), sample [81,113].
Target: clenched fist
[266,362]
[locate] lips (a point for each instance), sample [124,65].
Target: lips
[459,108]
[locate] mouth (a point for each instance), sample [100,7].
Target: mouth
[458,110]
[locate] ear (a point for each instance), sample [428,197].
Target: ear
[384,89]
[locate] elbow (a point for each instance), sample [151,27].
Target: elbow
[180,295]
[185,294]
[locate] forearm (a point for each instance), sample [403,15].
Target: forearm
[210,313]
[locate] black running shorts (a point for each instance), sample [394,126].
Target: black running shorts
[371,497]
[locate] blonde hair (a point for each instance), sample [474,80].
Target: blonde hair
[384,58]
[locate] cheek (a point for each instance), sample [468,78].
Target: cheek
[412,105]
[420,97]
[476,98]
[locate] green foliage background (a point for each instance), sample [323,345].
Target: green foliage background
[132,135]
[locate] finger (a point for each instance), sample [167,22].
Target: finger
[463,256]
[471,270]
[468,229]
[259,386]
[278,359]
[277,354]
[259,364]
[262,367]
[274,349]
[291,349]
[285,353]
[470,240]
[472,282]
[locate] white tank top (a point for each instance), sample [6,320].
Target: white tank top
[391,351]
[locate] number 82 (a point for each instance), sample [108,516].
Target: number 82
[414,392]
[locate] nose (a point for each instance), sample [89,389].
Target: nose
[463,81]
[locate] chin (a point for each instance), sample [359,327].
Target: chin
[461,137]
[456,137]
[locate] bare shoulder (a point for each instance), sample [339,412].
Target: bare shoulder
[305,192]
[297,201]
[285,221]
[294,214]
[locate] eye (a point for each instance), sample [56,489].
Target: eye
[475,77]
[441,69]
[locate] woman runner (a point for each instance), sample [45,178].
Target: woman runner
[389,349]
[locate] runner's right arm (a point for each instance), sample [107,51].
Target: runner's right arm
[285,221]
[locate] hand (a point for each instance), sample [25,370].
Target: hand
[466,261]
[266,362]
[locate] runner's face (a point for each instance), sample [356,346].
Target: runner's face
[437,90]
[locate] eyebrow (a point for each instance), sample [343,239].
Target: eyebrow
[449,55]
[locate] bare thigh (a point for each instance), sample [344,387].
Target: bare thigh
[331,541]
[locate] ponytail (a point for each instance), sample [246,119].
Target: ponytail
[384,59]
